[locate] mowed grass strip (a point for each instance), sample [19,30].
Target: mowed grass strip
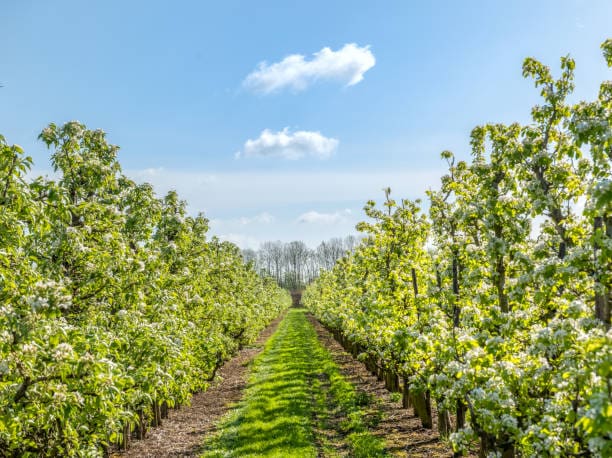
[282,415]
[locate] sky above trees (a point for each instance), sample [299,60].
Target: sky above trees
[280,119]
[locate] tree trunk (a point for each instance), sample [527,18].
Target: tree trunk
[156,414]
[422,408]
[374,365]
[141,427]
[415,286]
[444,422]
[488,445]
[406,402]
[500,283]
[460,413]
[124,444]
[391,381]
[456,309]
[380,373]
[460,410]
[603,292]
[396,383]
[388,381]
[164,410]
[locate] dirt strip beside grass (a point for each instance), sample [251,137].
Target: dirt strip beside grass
[400,429]
[297,404]
[181,435]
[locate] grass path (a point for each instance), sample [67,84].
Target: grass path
[297,404]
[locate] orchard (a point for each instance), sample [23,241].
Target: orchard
[114,305]
[493,305]
[488,306]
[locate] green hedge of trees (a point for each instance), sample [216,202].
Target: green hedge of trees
[496,305]
[114,306]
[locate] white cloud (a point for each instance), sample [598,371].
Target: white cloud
[346,65]
[314,217]
[244,231]
[244,192]
[261,218]
[242,240]
[289,145]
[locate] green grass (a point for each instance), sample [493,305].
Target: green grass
[297,404]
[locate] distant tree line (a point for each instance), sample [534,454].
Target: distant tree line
[293,264]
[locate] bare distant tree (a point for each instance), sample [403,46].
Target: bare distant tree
[329,252]
[264,259]
[249,255]
[271,259]
[312,267]
[296,255]
[293,264]
[350,243]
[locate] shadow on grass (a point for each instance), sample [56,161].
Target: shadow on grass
[282,409]
[274,417]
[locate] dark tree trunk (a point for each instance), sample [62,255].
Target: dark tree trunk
[603,292]
[141,427]
[406,402]
[124,443]
[422,408]
[164,410]
[444,422]
[380,373]
[460,415]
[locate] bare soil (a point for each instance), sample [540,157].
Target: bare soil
[182,433]
[400,428]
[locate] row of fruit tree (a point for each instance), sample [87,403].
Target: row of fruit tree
[114,306]
[494,305]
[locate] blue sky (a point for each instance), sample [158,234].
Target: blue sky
[166,81]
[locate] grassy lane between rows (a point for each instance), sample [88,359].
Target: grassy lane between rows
[297,404]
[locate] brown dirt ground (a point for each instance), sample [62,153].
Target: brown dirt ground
[400,428]
[182,433]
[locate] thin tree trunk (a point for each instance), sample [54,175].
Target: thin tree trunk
[406,402]
[164,410]
[422,408]
[124,443]
[141,427]
[603,292]
[460,414]
[444,422]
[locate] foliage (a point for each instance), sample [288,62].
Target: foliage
[113,301]
[500,299]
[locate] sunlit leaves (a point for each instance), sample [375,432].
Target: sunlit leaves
[512,316]
[112,299]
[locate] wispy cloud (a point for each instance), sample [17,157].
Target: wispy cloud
[242,240]
[347,65]
[314,217]
[260,218]
[289,145]
[244,192]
